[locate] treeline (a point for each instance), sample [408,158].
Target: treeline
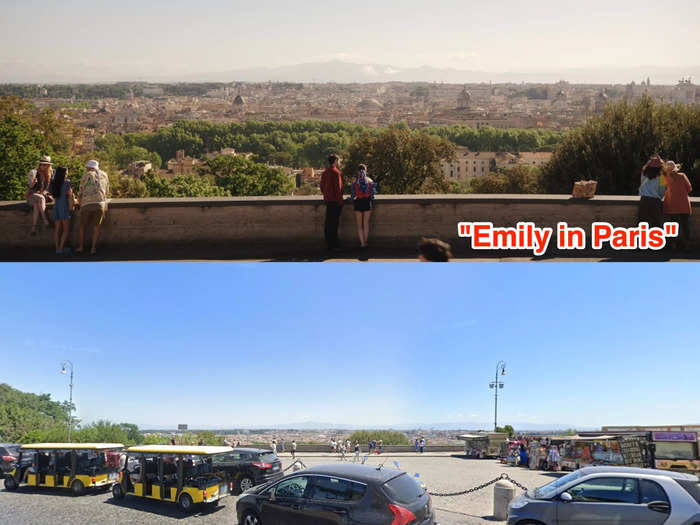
[613,147]
[120,90]
[488,138]
[36,418]
[389,437]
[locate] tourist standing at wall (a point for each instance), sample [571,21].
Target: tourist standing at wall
[38,191]
[677,202]
[422,445]
[294,449]
[363,191]
[652,191]
[332,189]
[357,452]
[62,192]
[94,188]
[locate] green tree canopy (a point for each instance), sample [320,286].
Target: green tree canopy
[241,176]
[400,161]
[390,437]
[516,180]
[612,148]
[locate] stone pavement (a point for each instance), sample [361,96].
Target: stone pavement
[441,473]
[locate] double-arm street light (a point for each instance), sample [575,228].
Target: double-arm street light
[496,386]
[70,401]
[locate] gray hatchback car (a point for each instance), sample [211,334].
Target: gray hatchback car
[611,496]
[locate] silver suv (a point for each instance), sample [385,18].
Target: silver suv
[611,496]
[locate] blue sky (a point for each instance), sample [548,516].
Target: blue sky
[221,345]
[131,38]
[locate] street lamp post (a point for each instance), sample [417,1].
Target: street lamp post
[496,386]
[70,401]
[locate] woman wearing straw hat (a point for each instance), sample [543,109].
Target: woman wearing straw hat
[38,191]
[677,202]
[652,191]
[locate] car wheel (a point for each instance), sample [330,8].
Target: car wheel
[117,491]
[77,488]
[250,518]
[10,483]
[244,484]
[185,503]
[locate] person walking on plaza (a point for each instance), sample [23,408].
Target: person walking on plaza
[422,445]
[62,192]
[381,446]
[294,449]
[652,191]
[415,444]
[677,201]
[274,447]
[363,191]
[357,452]
[37,194]
[94,189]
[332,189]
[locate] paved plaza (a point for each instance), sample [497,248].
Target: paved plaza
[441,473]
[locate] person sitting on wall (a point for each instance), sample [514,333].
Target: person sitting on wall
[37,194]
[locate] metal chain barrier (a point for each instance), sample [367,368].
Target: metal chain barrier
[478,488]
[297,462]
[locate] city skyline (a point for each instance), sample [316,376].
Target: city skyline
[185,39]
[249,345]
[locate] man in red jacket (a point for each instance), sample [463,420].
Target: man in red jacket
[332,189]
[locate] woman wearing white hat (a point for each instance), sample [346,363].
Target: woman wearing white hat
[94,188]
[677,202]
[38,191]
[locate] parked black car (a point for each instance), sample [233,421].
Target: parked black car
[8,456]
[338,495]
[248,467]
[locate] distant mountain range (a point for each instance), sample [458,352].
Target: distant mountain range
[341,72]
[347,73]
[310,425]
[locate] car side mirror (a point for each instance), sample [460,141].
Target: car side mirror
[566,497]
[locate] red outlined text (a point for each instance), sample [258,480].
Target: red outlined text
[528,236]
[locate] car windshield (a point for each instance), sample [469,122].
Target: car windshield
[550,490]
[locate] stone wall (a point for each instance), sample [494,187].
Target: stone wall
[274,223]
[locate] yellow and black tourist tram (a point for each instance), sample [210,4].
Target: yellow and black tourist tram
[179,474]
[75,466]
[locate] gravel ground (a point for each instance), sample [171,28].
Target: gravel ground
[440,474]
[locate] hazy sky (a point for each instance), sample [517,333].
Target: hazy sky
[223,345]
[130,38]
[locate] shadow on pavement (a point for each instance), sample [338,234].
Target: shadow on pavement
[162,508]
